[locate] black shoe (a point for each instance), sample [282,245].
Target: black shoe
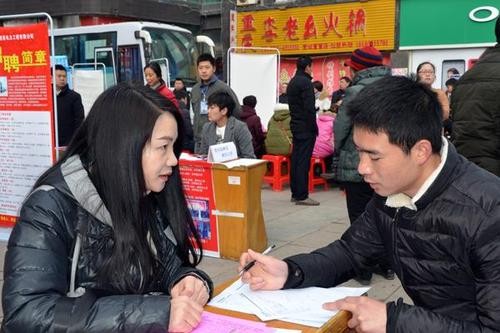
[364,278]
[389,274]
[327,175]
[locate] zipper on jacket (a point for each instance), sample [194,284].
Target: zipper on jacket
[394,244]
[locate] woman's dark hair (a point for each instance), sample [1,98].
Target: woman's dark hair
[250,101]
[110,143]
[405,110]
[155,67]
[318,85]
[222,100]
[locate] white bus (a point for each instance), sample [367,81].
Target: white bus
[125,48]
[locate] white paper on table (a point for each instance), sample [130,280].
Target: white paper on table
[232,299]
[302,304]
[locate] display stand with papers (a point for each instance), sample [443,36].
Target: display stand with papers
[225,202]
[237,192]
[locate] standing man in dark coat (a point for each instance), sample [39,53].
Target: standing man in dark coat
[301,101]
[476,110]
[69,108]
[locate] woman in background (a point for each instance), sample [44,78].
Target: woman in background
[154,80]
[426,74]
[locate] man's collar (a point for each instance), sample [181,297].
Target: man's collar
[402,200]
[213,78]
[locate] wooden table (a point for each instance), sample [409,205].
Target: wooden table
[337,324]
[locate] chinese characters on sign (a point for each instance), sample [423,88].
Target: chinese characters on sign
[331,28]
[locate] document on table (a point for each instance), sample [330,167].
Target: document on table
[211,322]
[301,306]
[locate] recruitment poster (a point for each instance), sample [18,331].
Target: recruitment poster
[197,180]
[26,121]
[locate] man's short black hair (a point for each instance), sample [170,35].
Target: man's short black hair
[303,62]
[405,110]
[206,57]
[180,94]
[250,101]
[60,68]
[318,85]
[451,82]
[222,100]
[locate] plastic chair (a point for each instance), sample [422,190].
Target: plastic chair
[279,171]
[316,179]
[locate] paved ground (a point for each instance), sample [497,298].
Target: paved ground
[295,229]
[301,229]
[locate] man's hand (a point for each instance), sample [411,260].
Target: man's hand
[192,287]
[268,273]
[185,314]
[368,315]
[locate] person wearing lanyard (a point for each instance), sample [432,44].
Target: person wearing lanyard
[209,84]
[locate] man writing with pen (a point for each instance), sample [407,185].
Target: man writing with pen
[435,215]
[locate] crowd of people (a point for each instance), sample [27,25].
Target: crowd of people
[105,241]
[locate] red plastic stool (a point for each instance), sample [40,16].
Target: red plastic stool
[317,180]
[275,175]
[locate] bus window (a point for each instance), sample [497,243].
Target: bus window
[129,64]
[80,48]
[179,48]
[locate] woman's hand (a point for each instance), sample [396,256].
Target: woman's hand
[185,314]
[192,287]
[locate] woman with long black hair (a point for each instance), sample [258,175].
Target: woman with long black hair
[104,242]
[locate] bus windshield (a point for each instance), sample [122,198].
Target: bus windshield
[179,49]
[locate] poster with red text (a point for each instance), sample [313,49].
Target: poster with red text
[197,180]
[327,69]
[26,115]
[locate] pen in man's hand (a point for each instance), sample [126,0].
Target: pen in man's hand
[251,263]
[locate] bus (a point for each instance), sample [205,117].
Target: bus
[123,49]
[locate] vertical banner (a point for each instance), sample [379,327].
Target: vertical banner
[197,180]
[26,114]
[232,28]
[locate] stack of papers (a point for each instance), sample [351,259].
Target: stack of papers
[300,306]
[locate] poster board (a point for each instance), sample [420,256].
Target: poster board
[26,114]
[196,177]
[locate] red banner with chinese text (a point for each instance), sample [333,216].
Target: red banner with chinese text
[197,180]
[327,69]
[26,114]
[334,28]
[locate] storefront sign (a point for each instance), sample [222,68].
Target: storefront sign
[493,14]
[26,116]
[443,24]
[336,28]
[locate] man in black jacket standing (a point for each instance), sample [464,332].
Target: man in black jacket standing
[435,215]
[301,101]
[69,107]
[476,110]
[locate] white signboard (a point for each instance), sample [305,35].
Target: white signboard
[89,84]
[222,152]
